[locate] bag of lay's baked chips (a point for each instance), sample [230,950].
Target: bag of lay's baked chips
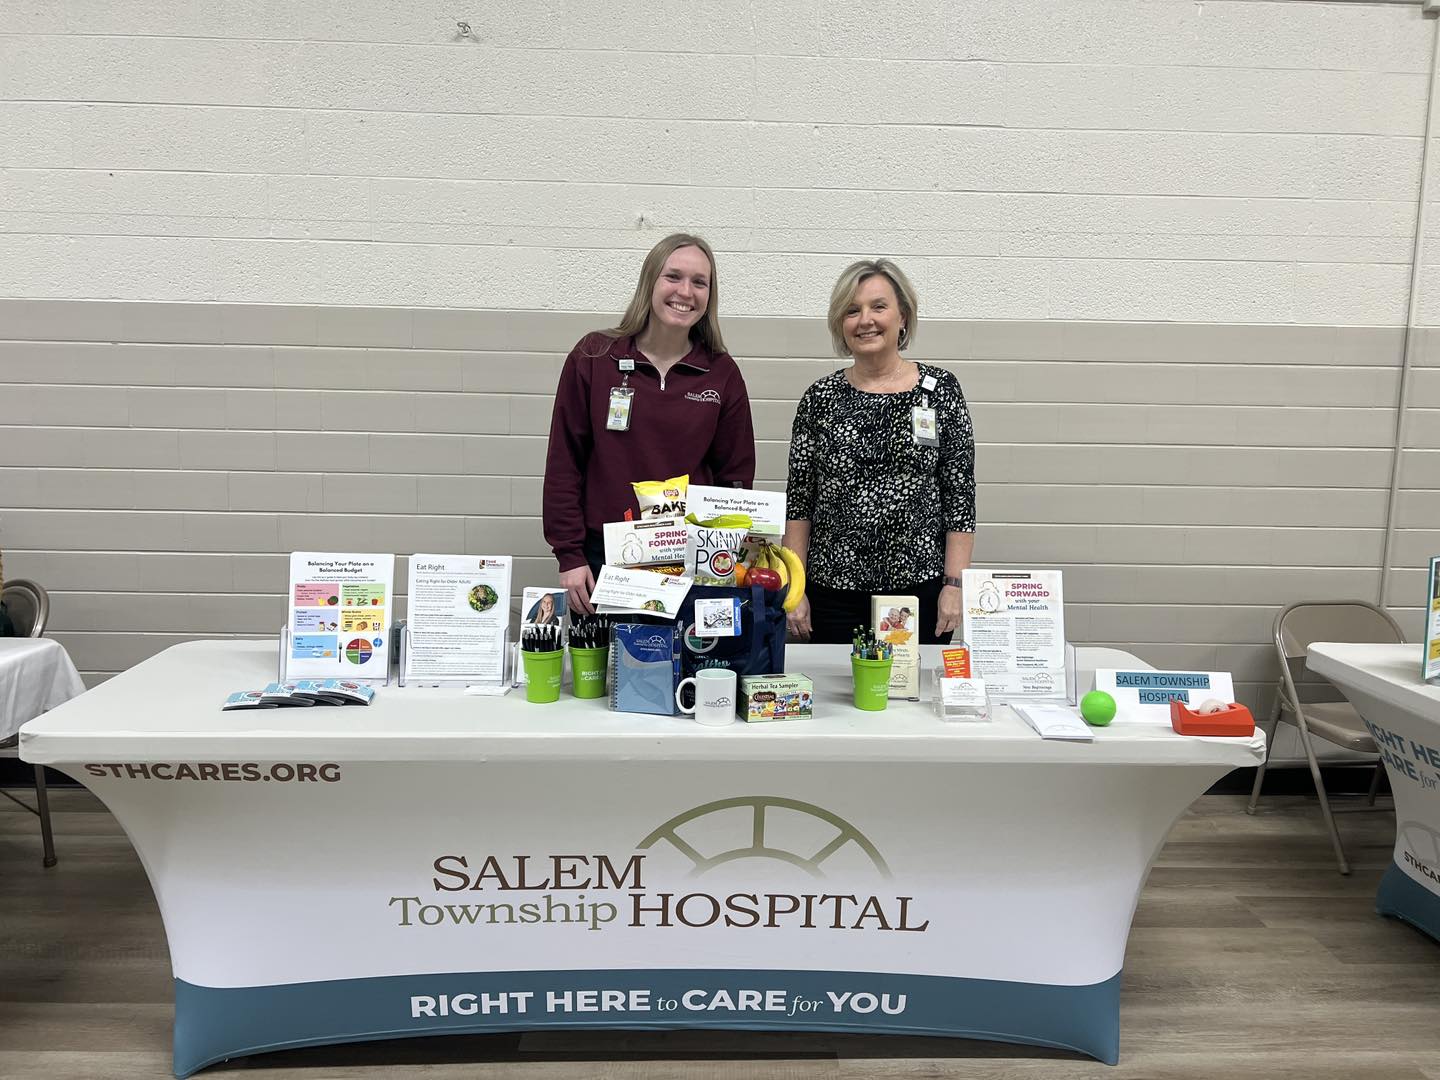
[662,498]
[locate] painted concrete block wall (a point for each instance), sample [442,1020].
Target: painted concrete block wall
[301,275]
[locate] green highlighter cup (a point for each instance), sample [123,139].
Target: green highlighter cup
[542,675]
[587,671]
[872,683]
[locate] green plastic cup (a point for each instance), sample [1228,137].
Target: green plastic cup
[542,675]
[872,683]
[587,671]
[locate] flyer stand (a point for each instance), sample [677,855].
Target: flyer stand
[497,684]
[283,674]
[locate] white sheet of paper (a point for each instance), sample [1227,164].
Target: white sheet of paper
[639,592]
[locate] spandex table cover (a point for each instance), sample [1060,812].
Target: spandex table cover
[1403,714]
[440,863]
[35,675]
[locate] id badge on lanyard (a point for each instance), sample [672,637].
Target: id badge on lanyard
[622,399]
[924,424]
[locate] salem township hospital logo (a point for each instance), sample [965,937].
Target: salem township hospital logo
[752,844]
[705,397]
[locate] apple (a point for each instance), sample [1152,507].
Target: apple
[766,578]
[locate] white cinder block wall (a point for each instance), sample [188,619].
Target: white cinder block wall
[285,275]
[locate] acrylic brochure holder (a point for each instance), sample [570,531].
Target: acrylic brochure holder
[1068,691]
[498,682]
[282,666]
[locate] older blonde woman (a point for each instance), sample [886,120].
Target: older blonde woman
[654,397]
[881,493]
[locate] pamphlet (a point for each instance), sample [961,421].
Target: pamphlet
[339,615]
[458,616]
[302,692]
[766,508]
[543,607]
[1054,721]
[1015,627]
[639,592]
[1145,696]
[651,543]
[1430,658]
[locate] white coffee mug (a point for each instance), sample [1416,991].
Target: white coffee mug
[714,696]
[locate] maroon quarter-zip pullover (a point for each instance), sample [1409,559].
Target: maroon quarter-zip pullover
[695,419]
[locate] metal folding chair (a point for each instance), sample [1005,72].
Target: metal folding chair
[1313,704]
[28,605]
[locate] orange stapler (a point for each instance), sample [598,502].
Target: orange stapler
[1235,721]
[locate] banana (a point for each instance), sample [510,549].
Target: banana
[797,578]
[777,564]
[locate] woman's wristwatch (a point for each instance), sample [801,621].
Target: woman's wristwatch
[958,583]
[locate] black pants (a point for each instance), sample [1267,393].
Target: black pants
[835,613]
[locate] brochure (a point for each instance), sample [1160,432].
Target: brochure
[302,692]
[458,615]
[339,615]
[1430,658]
[639,592]
[1054,721]
[766,508]
[651,544]
[543,607]
[1014,623]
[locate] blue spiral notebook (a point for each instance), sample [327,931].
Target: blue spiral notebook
[644,668]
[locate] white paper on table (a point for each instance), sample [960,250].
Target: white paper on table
[1054,721]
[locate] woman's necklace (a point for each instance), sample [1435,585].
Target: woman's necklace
[884,382]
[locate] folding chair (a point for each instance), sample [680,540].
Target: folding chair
[28,605]
[1319,709]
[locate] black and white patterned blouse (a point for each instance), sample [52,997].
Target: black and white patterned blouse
[879,506]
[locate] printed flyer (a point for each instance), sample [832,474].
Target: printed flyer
[639,592]
[1431,656]
[458,613]
[766,509]
[339,615]
[1015,627]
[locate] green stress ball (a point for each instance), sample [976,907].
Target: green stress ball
[1098,708]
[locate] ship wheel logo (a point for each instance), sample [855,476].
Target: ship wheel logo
[812,863]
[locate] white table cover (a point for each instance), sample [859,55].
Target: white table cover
[1402,712]
[36,675]
[439,863]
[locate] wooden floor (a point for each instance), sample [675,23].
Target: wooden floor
[1250,958]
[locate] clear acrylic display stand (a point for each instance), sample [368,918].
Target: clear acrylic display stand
[283,658]
[1067,692]
[462,681]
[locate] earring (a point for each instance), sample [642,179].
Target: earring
[903,338]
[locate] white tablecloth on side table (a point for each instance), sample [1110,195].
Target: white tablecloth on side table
[1383,682]
[35,676]
[436,863]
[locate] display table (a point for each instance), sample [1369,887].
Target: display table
[1403,715]
[35,675]
[441,863]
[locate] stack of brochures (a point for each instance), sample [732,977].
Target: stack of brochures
[303,693]
[1053,721]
